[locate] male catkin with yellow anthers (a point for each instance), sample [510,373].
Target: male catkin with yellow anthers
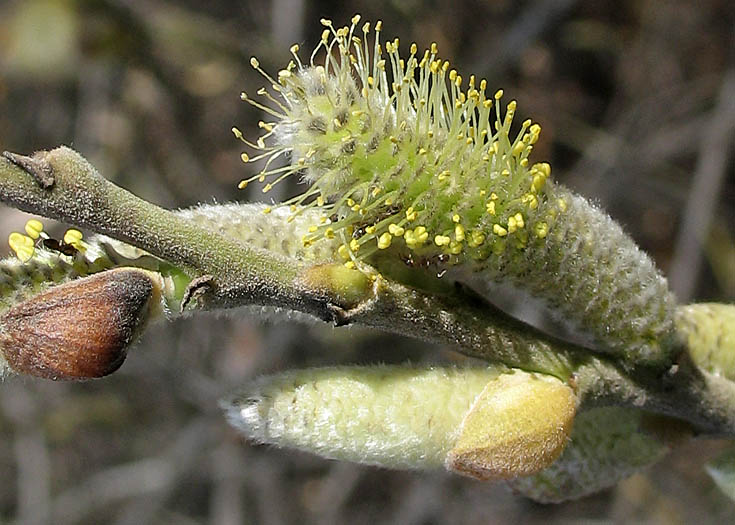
[410,163]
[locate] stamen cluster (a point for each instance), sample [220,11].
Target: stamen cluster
[400,152]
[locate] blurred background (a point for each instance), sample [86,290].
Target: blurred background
[637,103]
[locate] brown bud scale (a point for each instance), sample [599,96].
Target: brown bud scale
[78,330]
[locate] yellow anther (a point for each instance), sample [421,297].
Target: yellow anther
[320,201]
[410,239]
[518,149]
[421,234]
[456,218]
[355,207]
[268,187]
[512,105]
[254,62]
[376,192]
[530,200]
[73,237]
[356,19]
[396,230]
[237,132]
[371,81]
[323,220]
[370,229]
[411,214]
[491,207]
[379,25]
[520,223]
[422,151]
[243,184]
[487,104]
[523,162]
[512,224]
[366,27]
[453,75]
[538,182]
[384,241]
[350,202]
[381,64]
[455,248]
[354,245]
[476,239]
[329,233]
[22,245]
[499,230]
[442,240]
[562,204]
[33,228]
[498,94]
[388,202]
[267,210]
[245,157]
[542,229]
[312,229]
[350,265]
[459,233]
[434,48]
[343,251]
[414,48]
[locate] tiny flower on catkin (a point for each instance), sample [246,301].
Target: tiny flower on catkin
[391,143]
[488,423]
[80,329]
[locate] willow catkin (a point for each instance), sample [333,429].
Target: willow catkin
[409,164]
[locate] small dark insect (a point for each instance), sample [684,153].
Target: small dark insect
[59,246]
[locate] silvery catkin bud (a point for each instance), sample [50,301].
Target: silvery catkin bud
[411,165]
[487,423]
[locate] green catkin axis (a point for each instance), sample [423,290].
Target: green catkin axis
[408,168]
